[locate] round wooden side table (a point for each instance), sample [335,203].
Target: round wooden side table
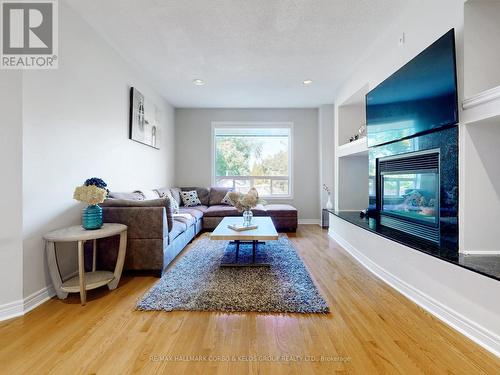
[85,280]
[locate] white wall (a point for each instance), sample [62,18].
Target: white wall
[76,127]
[353,183]
[481,36]
[193,132]
[326,140]
[481,192]
[11,159]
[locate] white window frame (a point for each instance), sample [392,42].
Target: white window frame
[265,125]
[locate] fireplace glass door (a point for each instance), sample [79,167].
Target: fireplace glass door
[411,195]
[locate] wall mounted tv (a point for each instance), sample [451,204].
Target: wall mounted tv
[418,98]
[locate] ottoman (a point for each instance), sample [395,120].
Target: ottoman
[284,216]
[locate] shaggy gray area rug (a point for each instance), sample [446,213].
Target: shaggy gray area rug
[197,282]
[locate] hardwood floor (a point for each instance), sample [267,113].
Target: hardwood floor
[371,329]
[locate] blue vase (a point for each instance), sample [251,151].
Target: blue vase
[92,217]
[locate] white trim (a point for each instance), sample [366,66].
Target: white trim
[257,124]
[480,335]
[480,252]
[36,299]
[11,310]
[358,147]
[20,307]
[310,221]
[482,98]
[482,108]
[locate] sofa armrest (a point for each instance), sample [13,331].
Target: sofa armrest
[142,222]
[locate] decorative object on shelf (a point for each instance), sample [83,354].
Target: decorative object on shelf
[141,128]
[362,131]
[245,202]
[93,191]
[329,204]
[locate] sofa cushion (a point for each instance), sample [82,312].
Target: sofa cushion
[221,210]
[177,229]
[173,201]
[196,213]
[282,210]
[203,194]
[135,196]
[176,193]
[259,210]
[217,194]
[161,191]
[149,194]
[185,218]
[200,208]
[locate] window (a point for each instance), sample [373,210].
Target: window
[253,155]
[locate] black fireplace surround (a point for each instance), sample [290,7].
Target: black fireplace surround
[414,187]
[421,177]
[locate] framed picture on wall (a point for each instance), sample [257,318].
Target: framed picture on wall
[142,128]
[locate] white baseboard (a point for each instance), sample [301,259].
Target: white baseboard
[37,298]
[25,305]
[487,339]
[11,310]
[310,221]
[480,252]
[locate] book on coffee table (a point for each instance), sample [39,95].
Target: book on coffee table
[240,228]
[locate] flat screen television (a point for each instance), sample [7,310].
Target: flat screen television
[418,98]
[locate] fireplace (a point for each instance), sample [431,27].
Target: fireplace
[413,188]
[408,197]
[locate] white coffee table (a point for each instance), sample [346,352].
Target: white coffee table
[265,232]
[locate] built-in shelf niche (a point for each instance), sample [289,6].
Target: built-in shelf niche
[480,130]
[351,158]
[481,56]
[352,115]
[481,52]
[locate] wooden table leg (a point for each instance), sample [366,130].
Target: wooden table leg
[119,261]
[81,272]
[50,248]
[94,254]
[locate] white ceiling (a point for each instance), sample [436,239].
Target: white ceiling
[251,53]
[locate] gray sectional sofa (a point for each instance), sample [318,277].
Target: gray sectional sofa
[156,234]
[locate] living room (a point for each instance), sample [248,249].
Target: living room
[165,109]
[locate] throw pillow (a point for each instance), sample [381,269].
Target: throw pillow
[148,194]
[226,199]
[173,202]
[190,198]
